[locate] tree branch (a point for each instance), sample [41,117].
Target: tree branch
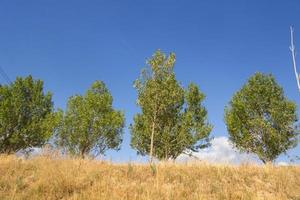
[292,48]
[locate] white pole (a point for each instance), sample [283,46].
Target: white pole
[292,48]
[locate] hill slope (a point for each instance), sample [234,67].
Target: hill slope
[45,178]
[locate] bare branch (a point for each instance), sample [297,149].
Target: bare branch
[292,48]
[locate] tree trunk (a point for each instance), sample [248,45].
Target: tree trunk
[151,143]
[152,131]
[82,153]
[267,161]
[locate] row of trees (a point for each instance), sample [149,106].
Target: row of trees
[172,120]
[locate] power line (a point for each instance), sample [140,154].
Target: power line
[4,75]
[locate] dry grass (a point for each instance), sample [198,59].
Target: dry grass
[46,178]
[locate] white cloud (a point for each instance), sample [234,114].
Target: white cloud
[221,151]
[282,163]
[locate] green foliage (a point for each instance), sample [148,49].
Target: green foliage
[90,124]
[171,117]
[260,119]
[26,115]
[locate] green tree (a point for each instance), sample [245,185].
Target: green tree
[26,115]
[261,120]
[172,120]
[90,125]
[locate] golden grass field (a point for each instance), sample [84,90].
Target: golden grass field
[47,178]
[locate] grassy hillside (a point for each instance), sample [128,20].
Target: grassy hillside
[45,178]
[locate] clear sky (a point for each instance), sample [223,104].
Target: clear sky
[218,45]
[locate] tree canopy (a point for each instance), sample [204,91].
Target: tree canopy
[172,119]
[90,124]
[261,120]
[27,118]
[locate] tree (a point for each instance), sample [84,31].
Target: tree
[27,118]
[90,125]
[260,119]
[172,120]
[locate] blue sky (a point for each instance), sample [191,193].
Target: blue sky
[218,45]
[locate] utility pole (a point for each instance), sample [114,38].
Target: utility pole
[293,51]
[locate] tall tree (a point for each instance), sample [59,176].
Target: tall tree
[172,119]
[90,125]
[261,120]
[26,115]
